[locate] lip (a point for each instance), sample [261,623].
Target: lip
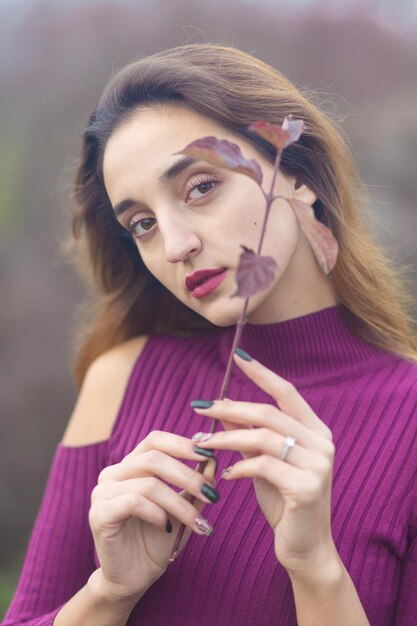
[192,280]
[210,284]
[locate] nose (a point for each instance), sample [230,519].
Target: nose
[180,240]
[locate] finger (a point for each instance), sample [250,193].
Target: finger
[233,426]
[145,492]
[263,441]
[263,415]
[297,486]
[174,445]
[284,393]
[105,514]
[160,465]
[209,471]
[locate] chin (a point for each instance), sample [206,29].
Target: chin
[223,324]
[223,318]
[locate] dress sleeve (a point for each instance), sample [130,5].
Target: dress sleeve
[60,554]
[407,603]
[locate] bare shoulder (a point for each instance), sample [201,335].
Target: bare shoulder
[101,394]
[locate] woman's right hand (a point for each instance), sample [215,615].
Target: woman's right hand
[131,506]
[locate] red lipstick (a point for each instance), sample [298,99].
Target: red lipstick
[202,282]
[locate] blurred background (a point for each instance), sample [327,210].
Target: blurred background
[55,58]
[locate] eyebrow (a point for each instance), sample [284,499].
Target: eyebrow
[172,172]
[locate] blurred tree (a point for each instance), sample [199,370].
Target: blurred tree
[55,59]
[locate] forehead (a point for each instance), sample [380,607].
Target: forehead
[144,147]
[162,130]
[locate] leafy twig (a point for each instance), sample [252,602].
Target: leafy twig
[255,272]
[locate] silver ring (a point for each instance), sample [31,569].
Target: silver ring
[289,443]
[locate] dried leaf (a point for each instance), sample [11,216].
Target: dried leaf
[254,273]
[321,238]
[294,127]
[279,136]
[223,153]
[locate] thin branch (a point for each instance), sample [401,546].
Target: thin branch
[238,333]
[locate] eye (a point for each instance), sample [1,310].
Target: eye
[140,227]
[205,182]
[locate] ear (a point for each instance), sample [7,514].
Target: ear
[304,193]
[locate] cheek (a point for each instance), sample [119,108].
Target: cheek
[242,223]
[158,269]
[151,263]
[282,234]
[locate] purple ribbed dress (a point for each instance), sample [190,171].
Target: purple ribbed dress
[367,397]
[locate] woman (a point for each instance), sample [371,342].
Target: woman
[320,415]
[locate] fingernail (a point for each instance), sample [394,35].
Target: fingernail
[244,355]
[204,452]
[210,493]
[201,404]
[204,524]
[226,471]
[201,436]
[168,527]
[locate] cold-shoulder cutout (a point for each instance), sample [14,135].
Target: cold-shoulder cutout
[101,395]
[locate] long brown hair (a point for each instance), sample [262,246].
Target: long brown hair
[233,88]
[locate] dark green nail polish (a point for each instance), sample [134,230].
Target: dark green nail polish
[208,453]
[168,527]
[210,493]
[243,354]
[201,404]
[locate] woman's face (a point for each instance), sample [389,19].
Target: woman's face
[198,218]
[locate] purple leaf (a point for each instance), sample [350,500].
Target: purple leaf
[254,273]
[321,238]
[279,136]
[223,153]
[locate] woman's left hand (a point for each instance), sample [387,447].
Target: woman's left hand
[295,494]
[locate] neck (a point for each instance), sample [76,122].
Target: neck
[299,306]
[302,289]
